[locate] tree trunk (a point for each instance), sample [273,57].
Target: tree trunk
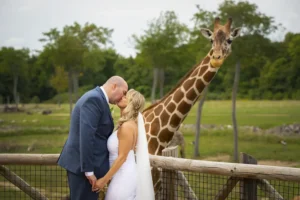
[198,123]
[7,101]
[154,85]
[75,85]
[234,122]
[70,91]
[161,82]
[15,92]
[59,100]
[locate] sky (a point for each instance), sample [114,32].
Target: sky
[23,21]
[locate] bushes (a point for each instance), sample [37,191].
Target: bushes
[296,95]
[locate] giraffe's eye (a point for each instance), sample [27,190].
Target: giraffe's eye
[229,41]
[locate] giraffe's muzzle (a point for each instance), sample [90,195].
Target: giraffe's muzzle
[216,63]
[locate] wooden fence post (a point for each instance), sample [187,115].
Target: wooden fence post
[169,177]
[248,187]
[188,192]
[21,184]
[269,190]
[227,188]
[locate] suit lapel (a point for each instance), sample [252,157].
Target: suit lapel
[106,107]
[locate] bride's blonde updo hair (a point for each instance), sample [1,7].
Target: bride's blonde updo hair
[135,104]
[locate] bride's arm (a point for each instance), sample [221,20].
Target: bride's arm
[125,136]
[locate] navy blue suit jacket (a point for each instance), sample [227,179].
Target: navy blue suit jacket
[86,147]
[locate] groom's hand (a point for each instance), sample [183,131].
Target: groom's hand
[92,179]
[99,185]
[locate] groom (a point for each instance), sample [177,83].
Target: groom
[85,155]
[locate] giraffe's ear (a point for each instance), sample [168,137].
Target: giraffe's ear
[235,33]
[206,33]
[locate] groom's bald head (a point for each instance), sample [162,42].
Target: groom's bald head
[115,87]
[116,80]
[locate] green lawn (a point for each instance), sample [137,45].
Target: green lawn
[264,114]
[260,146]
[37,133]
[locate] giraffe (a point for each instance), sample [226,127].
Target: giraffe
[164,117]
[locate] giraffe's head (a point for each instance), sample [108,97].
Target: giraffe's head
[221,38]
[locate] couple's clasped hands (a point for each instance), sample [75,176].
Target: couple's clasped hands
[97,185]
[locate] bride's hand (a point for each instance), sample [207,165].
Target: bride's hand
[99,185]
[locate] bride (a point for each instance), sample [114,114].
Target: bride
[130,174]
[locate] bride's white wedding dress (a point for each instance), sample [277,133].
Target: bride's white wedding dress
[124,183]
[133,181]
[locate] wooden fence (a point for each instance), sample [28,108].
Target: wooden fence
[248,174]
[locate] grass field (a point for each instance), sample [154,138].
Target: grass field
[37,133]
[264,114]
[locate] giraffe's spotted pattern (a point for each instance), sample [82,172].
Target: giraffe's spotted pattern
[164,118]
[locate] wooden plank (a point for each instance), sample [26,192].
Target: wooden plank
[227,188]
[208,167]
[248,187]
[21,184]
[28,159]
[189,194]
[228,169]
[269,190]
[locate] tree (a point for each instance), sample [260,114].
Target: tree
[251,45]
[92,38]
[279,77]
[73,47]
[158,46]
[41,72]
[135,72]
[101,64]
[198,123]
[14,62]
[59,81]
[294,75]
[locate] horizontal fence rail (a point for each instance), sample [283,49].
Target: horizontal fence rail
[208,167]
[228,169]
[37,176]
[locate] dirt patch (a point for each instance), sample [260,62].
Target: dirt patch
[5,129]
[60,114]
[279,163]
[218,158]
[288,129]
[269,115]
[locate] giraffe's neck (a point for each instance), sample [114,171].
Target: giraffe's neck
[165,117]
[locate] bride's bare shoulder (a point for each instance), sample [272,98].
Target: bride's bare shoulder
[129,123]
[128,126]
